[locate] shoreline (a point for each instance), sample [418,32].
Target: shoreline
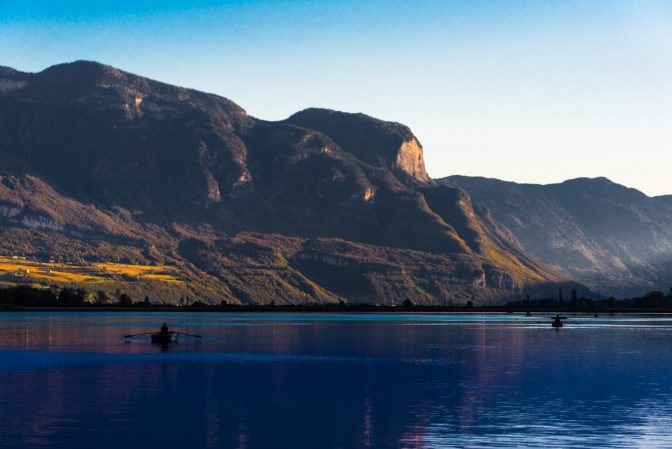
[339,309]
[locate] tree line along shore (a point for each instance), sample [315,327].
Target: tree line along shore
[23,297]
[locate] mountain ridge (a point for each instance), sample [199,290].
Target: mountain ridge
[615,239]
[96,155]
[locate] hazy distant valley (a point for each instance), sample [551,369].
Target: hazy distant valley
[614,239]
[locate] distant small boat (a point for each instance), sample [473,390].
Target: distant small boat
[557,321]
[163,338]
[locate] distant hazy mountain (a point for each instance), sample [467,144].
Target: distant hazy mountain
[99,164]
[665,199]
[614,239]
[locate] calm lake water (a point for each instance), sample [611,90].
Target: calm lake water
[70,380]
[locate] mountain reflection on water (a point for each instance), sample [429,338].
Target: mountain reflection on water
[70,380]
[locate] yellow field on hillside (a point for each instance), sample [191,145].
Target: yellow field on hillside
[24,270]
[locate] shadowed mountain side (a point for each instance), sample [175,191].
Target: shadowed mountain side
[327,269]
[29,201]
[94,153]
[664,199]
[615,239]
[116,139]
[313,187]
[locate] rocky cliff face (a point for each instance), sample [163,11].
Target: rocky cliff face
[381,144]
[614,239]
[91,152]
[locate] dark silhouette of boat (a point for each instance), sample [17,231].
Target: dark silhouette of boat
[168,337]
[557,321]
[164,336]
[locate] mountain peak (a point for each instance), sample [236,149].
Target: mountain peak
[376,142]
[79,64]
[599,186]
[82,69]
[587,180]
[81,74]
[8,71]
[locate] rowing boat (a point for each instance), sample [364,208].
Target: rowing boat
[168,337]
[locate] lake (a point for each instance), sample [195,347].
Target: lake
[70,380]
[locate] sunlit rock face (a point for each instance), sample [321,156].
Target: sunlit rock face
[410,160]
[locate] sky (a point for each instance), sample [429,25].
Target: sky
[526,91]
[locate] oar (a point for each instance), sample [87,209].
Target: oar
[137,335]
[190,335]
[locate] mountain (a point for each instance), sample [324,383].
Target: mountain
[664,199]
[614,239]
[97,164]
[382,144]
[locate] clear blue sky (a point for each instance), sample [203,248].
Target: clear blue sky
[530,91]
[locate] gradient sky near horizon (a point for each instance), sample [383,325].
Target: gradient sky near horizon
[528,91]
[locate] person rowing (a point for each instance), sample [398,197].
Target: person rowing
[165,335]
[557,320]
